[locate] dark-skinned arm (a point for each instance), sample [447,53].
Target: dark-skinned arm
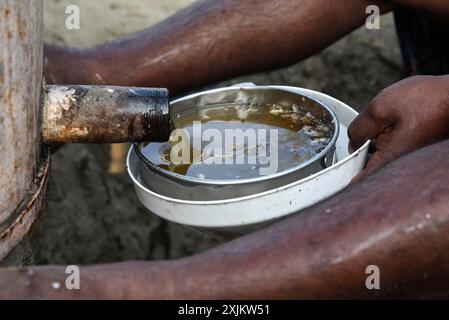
[213,40]
[396,219]
[209,41]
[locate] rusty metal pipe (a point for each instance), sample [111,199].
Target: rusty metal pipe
[104,114]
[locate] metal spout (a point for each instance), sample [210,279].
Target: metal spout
[104,114]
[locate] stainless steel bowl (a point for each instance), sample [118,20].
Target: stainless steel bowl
[178,186]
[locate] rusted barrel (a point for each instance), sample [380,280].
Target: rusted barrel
[23,165]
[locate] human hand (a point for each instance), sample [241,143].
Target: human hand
[402,118]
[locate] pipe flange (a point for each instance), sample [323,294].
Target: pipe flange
[16,227]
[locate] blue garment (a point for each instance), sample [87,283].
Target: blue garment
[424,43]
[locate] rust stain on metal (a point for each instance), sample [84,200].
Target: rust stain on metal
[12,235]
[2,75]
[104,114]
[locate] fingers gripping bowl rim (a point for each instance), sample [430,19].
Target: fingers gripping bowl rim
[191,188]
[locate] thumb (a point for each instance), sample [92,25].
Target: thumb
[365,127]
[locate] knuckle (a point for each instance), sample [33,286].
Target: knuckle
[376,108]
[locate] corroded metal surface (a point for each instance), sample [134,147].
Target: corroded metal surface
[20,87]
[13,230]
[97,114]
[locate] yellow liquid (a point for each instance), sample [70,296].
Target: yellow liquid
[300,137]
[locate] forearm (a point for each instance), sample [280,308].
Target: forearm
[126,280]
[398,220]
[211,41]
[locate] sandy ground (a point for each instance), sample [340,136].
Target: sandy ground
[93,216]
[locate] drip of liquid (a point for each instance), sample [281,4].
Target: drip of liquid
[265,139]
